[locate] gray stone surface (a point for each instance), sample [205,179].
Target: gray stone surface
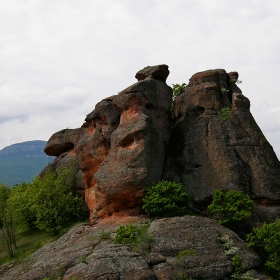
[82,253]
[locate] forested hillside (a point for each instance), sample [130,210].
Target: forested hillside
[22,161]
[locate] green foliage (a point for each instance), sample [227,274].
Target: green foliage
[177,89]
[186,252]
[126,234]
[143,240]
[230,207]
[22,200]
[240,267]
[165,199]
[7,222]
[238,264]
[266,241]
[137,236]
[225,113]
[55,201]
[105,234]
[48,203]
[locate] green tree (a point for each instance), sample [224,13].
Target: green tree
[230,207]
[22,200]
[7,222]
[166,199]
[266,241]
[177,89]
[55,200]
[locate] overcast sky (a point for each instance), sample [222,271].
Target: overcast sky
[58,58]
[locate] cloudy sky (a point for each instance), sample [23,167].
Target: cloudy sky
[58,58]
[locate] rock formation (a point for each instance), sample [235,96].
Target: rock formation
[133,139]
[83,254]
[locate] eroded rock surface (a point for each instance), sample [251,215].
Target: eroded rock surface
[207,153]
[133,139]
[120,149]
[82,254]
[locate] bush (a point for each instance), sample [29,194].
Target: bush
[48,203]
[137,236]
[266,241]
[225,113]
[56,202]
[126,234]
[165,199]
[230,207]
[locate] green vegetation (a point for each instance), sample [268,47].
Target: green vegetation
[28,242]
[225,113]
[7,224]
[46,205]
[165,199]
[230,207]
[240,268]
[135,235]
[266,241]
[126,234]
[229,248]
[177,89]
[186,252]
[105,234]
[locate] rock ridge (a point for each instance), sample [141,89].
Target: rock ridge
[83,254]
[141,136]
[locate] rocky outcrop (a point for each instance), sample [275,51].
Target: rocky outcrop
[208,153]
[83,253]
[138,137]
[120,149]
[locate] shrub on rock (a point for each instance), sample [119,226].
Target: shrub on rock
[165,199]
[229,207]
[266,241]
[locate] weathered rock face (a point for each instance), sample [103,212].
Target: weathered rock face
[121,146]
[131,140]
[207,153]
[82,253]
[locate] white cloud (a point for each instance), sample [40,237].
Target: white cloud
[59,58]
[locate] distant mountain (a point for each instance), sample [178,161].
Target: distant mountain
[22,161]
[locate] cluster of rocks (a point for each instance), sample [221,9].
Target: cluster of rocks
[141,136]
[138,137]
[84,253]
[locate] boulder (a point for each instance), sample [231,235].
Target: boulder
[190,246]
[158,72]
[62,141]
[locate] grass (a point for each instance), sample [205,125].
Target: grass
[186,252]
[27,243]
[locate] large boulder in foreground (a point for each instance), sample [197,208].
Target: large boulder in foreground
[138,137]
[83,254]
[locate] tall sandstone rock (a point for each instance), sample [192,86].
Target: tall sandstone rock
[133,139]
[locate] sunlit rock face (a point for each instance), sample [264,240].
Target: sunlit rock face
[121,145]
[138,137]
